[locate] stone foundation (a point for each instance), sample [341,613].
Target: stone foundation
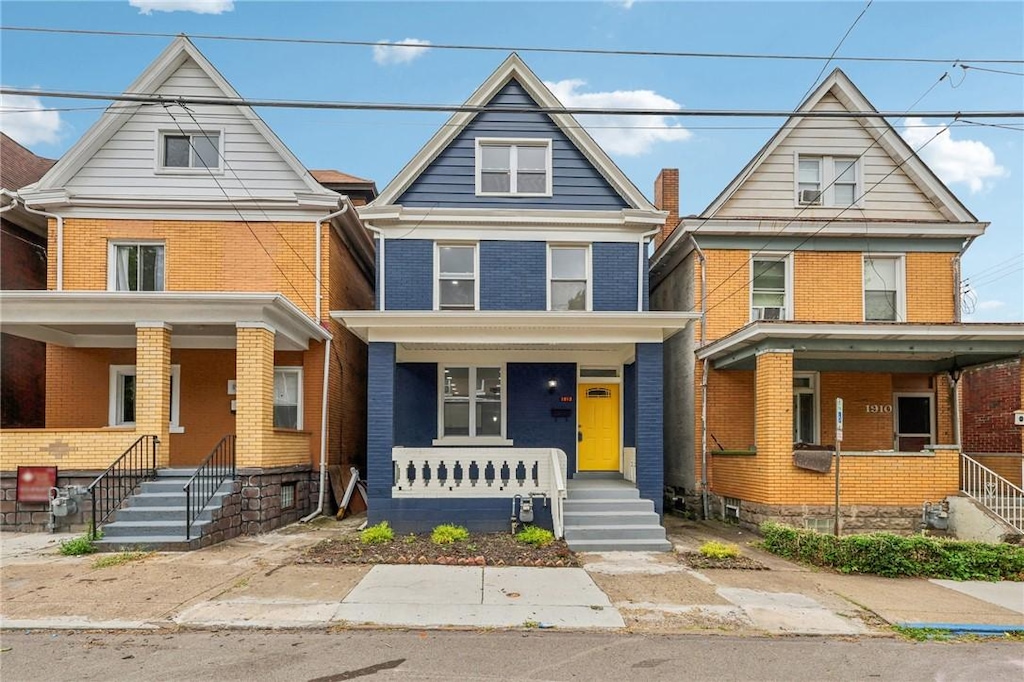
[27,517]
[260,497]
[902,520]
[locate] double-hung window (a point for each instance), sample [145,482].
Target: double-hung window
[513,167]
[197,150]
[770,284]
[287,397]
[456,277]
[472,402]
[137,267]
[883,289]
[122,399]
[832,181]
[805,407]
[569,278]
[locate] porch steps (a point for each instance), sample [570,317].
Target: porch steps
[604,512]
[154,517]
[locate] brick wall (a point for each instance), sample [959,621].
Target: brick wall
[380,435]
[614,276]
[650,473]
[666,198]
[409,269]
[512,275]
[990,396]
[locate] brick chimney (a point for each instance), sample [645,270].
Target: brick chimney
[666,198]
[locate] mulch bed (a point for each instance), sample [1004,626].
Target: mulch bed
[484,549]
[698,560]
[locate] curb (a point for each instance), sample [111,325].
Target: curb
[966,628]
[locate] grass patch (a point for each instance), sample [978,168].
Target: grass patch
[922,634]
[713,549]
[79,546]
[447,534]
[897,556]
[119,559]
[378,534]
[536,536]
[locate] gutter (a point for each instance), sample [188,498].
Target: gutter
[323,429]
[705,502]
[319,255]
[60,241]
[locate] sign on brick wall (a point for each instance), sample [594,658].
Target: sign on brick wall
[34,483]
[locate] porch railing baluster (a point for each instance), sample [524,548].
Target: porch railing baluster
[111,488]
[219,466]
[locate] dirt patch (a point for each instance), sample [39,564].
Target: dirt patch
[485,549]
[676,589]
[699,561]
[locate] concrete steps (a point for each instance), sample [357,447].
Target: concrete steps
[604,513]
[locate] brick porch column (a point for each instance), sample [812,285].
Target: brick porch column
[650,450]
[254,385]
[773,422]
[380,434]
[153,385]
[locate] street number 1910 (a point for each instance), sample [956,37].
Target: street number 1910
[878,409]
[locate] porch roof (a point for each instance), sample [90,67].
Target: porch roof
[107,319]
[870,346]
[513,326]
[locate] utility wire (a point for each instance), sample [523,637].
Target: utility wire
[838,45]
[505,48]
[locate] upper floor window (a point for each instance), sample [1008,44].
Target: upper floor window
[883,289]
[287,397]
[568,278]
[137,267]
[827,181]
[771,288]
[190,150]
[472,402]
[456,281]
[513,167]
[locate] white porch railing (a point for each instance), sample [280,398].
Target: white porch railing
[482,472]
[992,491]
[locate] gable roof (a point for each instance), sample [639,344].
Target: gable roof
[514,68]
[156,74]
[20,166]
[887,138]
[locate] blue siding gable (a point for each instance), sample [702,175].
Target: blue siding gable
[450,180]
[615,272]
[513,275]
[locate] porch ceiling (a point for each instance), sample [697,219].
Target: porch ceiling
[870,347]
[106,319]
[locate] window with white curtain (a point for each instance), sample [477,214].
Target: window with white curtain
[287,397]
[883,288]
[137,267]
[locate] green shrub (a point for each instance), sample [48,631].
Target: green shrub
[896,556]
[713,549]
[378,534]
[447,534]
[83,544]
[536,536]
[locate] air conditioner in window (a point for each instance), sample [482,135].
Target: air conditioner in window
[768,313]
[810,197]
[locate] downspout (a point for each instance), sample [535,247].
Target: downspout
[705,503]
[319,256]
[954,385]
[640,268]
[379,275]
[60,241]
[958,279]
[323,427]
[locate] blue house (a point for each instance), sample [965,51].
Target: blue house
[515,370]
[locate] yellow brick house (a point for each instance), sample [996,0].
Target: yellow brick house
[192,262]
[828,268]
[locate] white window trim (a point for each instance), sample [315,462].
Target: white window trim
[513,142]
[291,369]
[815,390]
[589,264]
[896,414]
[787,257]
[117,371]
[901,284]
[828,176]
[501,440]
[476,273]
[112,258]
[158,157]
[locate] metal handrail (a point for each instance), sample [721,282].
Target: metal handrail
[218,467]
[992,491]
[111,488]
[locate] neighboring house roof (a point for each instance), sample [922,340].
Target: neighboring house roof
[18,165]
[336,177]
[881,130]
[360,190]
[514,68]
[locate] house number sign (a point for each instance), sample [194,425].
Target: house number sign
[878,409]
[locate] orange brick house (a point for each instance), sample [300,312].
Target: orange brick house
[192,264]
[829,268]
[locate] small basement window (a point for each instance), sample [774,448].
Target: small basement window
[287,496]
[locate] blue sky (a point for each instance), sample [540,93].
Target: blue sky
[983,165]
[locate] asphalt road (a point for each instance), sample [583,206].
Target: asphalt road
[496,655]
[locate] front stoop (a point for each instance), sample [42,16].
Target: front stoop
[153,519]
[604,513]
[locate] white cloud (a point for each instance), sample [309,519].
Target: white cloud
[628,4]
[24,118]
[955,161]
[400,52]
[197,6]
[626,135]
[990,305]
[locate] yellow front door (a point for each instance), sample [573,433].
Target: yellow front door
[598,446]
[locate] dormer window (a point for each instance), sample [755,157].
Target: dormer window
[827,181]
[513,167]
[184,151]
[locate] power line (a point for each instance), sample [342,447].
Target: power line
[505,48]
[981,68]
[154,98]
[838,45]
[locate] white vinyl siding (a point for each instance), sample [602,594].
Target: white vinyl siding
[769,190]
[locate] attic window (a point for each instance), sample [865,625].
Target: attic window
[827,181]
[180,151]
[513,167]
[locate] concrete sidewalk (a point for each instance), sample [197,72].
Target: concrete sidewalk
[255,582]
